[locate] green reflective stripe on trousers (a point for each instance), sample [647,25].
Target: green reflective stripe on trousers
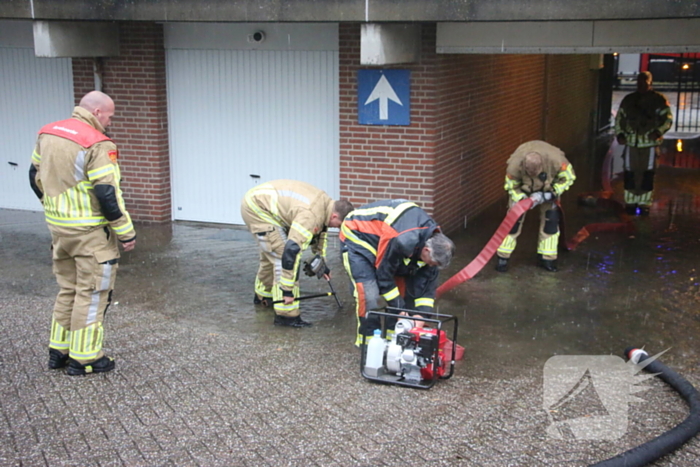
[86,343]
[261,290]
[508,245]
[60,337]
[549,246]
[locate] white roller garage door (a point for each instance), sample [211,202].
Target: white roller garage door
[240,109]
[33,92]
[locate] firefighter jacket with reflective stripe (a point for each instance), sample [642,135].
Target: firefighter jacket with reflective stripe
[76,175]
[391,235]
[302,210]
[557,174]
[639,115]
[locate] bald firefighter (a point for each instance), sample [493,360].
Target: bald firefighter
[286,217]
[641,121]
[394,250]
[75,174]
[540,171]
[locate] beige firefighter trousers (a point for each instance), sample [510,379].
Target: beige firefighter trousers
[85,267]
[271,241]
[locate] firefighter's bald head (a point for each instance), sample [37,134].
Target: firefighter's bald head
[532,164]
[100,105]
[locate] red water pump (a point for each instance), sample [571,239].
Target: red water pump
[417,353]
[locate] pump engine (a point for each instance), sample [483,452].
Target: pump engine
[416,353]
[414,356]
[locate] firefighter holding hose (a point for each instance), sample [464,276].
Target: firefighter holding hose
[539,171]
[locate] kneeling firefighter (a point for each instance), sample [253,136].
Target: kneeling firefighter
[540,171]
[286,217]
[394,250]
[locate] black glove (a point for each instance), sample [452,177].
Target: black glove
[317,267]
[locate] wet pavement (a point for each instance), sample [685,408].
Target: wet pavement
[203,378]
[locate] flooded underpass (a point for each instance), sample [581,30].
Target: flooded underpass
[204,378]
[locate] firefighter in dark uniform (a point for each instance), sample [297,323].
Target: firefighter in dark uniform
[641,121]
[394,250]
[75,174]
[540,171]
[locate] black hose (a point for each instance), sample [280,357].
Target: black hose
[675,437]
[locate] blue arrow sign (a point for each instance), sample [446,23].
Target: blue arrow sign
[383,97]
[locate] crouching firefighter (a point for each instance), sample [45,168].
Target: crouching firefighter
[286,217]
[75,174]
[540,171]
[392,249]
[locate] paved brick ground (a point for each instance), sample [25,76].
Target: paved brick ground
[204,379]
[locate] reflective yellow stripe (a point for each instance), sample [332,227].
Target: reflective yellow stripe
[568,179]
[126,228]
[371,211]
[397,211]
[429,302]
[281,308]
[271,218]
[549,246]
[350,235]
[323,240]
[36,157]
[304,233]
[60,337]
[72,207]
[508,245]
[510,187]
[285,282]
[261,290]
[392,294]
[86,343]
[100,172]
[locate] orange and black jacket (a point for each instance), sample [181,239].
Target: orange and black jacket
[391,235]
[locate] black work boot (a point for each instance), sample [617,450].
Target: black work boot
[57,359]
[548,264]
[261,301]
[295,322]
[502,265]
[101,365]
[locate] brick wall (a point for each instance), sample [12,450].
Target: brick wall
[468,114]
[571,97]
[489,104]
[379,162]
[136,81]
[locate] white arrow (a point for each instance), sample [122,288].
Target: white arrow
[383,91]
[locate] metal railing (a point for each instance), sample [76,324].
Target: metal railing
[687,118]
